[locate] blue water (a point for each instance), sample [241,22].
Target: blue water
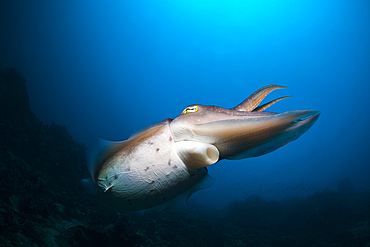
[110,68]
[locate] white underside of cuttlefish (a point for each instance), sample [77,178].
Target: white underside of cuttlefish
[169,159]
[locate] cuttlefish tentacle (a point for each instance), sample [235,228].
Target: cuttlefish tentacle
[267,105]
[169,159]
[250,103]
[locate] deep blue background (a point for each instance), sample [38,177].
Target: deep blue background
[110,68]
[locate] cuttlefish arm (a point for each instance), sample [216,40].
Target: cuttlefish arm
[241,138]
[243,131]
[250,103]
[268,104]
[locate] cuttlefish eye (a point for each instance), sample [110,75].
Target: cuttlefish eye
[190,109]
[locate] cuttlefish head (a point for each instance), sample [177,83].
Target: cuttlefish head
[206,134]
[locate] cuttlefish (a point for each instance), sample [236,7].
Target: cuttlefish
[169,159]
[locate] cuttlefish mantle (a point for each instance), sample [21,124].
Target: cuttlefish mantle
[169,159]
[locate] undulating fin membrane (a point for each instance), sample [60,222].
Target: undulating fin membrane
[181,200]
[93,164]
[96,155]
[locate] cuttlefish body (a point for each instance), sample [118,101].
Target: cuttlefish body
[169,159]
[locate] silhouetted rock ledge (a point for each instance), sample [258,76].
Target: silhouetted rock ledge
[42,201]
[43,204]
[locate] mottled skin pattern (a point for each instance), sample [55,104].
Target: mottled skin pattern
[169,159]
[151,157]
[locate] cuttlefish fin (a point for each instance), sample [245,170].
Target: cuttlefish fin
[96,159]
[181,201]
[250,103]
[267,105]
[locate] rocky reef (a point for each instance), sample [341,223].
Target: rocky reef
[42,202]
